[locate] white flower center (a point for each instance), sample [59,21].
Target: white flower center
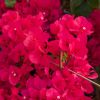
[58,97]
[24,97]
[44,13]
[14,74]
[15,29]
[84,28]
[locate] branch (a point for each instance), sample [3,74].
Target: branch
[96,84]
[61,57]
[78,74]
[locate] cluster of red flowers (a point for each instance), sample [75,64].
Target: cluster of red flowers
[51,8]
[94,41]
[31,48]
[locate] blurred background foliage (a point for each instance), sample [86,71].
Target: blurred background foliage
[83,7]
[80,7]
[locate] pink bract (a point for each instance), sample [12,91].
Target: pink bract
[32,36]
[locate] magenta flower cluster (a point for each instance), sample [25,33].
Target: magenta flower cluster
[94,42]
[33,35]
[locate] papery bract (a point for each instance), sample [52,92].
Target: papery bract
[31,43]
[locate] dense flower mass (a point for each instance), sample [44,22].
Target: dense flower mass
[32,42]
[94,42]
[50,8]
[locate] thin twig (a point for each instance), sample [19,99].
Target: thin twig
[61,56]
[78,74]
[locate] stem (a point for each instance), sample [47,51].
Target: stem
[96,84]
[78,74]
[61,56]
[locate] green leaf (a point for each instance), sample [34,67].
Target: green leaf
[74,4]
[65,55]
[99,4]
[10,3]
[93,3]
[84,9]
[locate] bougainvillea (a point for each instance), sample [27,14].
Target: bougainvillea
[94,41]
[38,50]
